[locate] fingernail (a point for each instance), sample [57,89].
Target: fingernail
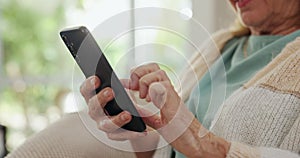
[124,117]
[93,81]
[106,93]
[157,122]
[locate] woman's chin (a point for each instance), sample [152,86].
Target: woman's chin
[251,20]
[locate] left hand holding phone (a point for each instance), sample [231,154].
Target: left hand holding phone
[111,125]
[96,103]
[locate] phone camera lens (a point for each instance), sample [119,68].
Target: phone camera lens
[64,38]
[83,30]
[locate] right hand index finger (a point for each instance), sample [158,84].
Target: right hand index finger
[139,72]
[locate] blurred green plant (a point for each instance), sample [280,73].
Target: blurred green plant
[30,49]
[30,38]
[34,62]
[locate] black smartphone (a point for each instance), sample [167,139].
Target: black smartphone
[92,61]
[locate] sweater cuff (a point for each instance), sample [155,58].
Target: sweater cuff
[238,150]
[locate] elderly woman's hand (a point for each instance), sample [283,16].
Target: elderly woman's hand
[96,103]
[175,122]
[111,125]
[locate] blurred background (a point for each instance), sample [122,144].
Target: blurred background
[36,70]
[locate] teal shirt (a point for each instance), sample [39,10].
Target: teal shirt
[241,59]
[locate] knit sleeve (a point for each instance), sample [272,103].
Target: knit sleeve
[291,142]
[240,150]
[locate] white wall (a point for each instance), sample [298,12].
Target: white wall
[213,14]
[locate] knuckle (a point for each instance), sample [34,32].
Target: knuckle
[112,124]
[143,81]
[91,102]
[101,100]
[93,110]
[106,124]
[168,85]
[82,89]
[103,125]
[111,136]
[132,69]
[162,73]
[100,126]
[91,113]
[154,65]
[117,136]
[134,74]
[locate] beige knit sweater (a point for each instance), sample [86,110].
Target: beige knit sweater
[262,119]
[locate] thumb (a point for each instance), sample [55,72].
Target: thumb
[158,94]
[165,98]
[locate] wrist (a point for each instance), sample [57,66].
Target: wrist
[213,146]
[197,141]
